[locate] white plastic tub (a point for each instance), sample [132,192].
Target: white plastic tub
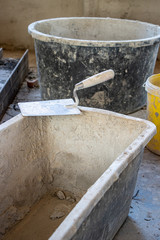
[96,154]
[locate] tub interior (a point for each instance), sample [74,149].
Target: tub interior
[69,153]
[99,29]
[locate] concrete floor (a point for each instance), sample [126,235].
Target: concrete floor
[143,222]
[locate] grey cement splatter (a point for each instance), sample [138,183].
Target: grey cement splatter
[157,114]
[62,66]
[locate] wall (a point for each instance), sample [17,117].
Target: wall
[144,10]
[15,16]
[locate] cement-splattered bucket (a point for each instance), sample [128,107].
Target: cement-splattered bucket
[71,49]
[153,109]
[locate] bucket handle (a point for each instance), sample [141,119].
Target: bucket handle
[144,85]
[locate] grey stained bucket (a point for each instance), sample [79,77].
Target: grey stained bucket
[69,50]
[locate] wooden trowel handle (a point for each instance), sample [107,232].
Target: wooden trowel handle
[95,79]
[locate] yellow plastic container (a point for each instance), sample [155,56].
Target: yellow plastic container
[153,109]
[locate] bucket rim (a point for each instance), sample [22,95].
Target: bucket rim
[151,88]
[98,43]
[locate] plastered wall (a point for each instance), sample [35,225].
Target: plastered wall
[15,16]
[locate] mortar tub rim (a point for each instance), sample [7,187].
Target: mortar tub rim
[93,43]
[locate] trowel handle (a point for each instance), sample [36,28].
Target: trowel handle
[95,79]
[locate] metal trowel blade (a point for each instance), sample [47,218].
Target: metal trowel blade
[49,108]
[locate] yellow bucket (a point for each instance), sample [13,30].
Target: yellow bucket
[152,87]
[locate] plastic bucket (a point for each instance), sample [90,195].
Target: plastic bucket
[152,87]
[69,50]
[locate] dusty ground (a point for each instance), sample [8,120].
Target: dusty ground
[143,222]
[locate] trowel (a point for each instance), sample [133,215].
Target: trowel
[63,106]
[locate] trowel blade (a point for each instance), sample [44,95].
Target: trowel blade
[48,108]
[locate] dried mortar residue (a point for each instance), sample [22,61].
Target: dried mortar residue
[45,216]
